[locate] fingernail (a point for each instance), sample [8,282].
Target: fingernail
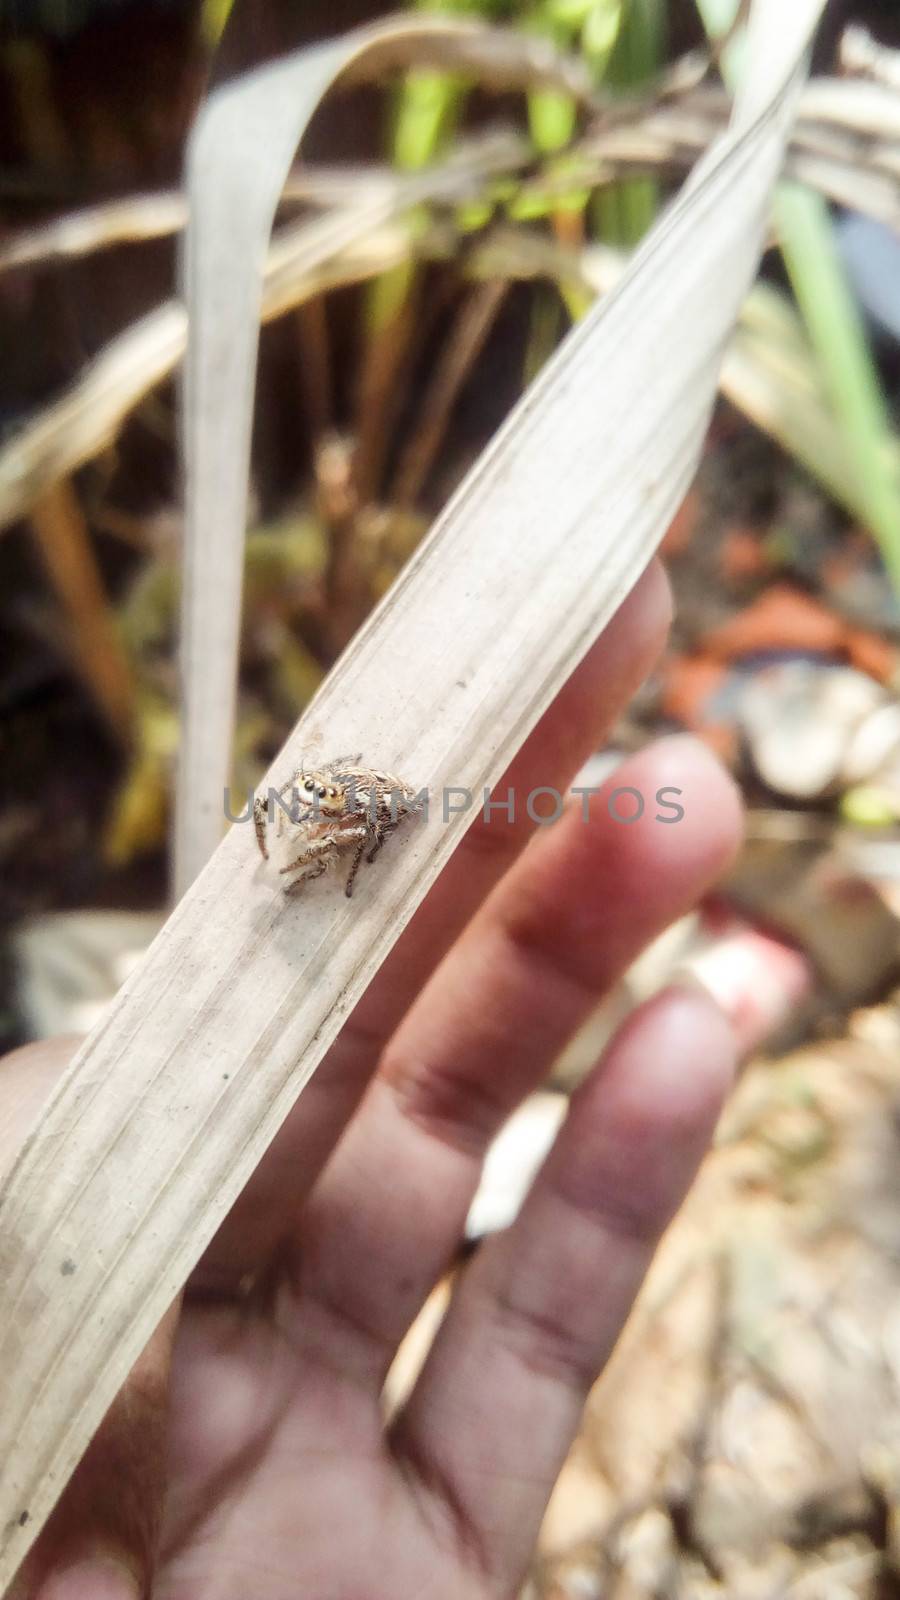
[95,1578]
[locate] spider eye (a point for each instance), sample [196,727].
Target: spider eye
[321,791]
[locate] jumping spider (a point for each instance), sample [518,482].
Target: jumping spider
[339,806]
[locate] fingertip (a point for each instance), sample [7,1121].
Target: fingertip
[649,1109]
[640,627]
[692,787]
[694,1055]
[685,757]
[654,593]
[672,1063]
[663,828]
[649,602]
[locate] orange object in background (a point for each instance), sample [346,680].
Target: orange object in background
[786,618]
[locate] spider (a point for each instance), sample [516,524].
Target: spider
[339,806]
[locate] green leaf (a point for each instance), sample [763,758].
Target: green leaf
[599,33]
[551,118]
[835,328]
[831,314]
[429,102]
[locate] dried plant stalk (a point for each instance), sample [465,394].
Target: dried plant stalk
[168,1106]
[304,260]
[61,535]
[826,153]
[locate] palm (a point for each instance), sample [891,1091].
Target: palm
[287,1487]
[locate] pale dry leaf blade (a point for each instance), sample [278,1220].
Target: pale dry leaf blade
[169,1105]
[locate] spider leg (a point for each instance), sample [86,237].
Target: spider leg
[260,817]
[261,813]
[314,872]
[380,838]
[355,864]
[314,850]
[351,835]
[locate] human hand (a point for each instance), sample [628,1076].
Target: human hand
[248,1457]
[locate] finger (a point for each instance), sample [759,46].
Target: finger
[100,1541]
[539,1310]
[568,919]
[569,732]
